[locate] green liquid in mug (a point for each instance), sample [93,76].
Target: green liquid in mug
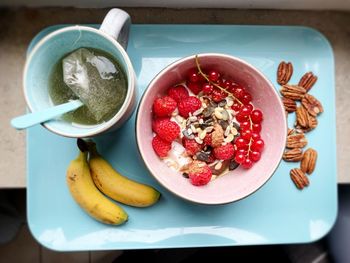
[60,92]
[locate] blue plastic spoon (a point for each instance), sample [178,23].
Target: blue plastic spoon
[31,119]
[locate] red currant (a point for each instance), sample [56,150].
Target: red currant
[256,127]
[250,106]
[242,151]
[257,145]
[238,92]
[240,158]
[247,163]
[246,98]
[256,116]
[195,87]
[255,136]
[246,134]
[227,85]
[245,111]
[207,88]
[255,156]
[193,75]
[241,143]
[245,125]
[241,118]
[218,95]
[220,82]
[214,75]
[236,106]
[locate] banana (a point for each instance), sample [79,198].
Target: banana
[88,196]
[116,186]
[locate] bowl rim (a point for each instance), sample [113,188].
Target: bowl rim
[98,128]
[174,64]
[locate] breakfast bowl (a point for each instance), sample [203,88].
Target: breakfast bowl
[179,168]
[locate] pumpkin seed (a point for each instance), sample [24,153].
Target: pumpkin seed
[232,165]
[236,125]
[213,103]
[222,103]
[208,112]
[202,156]
[204,125]
[225,115]
[209,120]
[188,134]
[223,124]
[185,175]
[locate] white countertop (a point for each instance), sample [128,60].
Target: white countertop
[19,26]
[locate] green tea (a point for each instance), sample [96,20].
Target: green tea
[98,81]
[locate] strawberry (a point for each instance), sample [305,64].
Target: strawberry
[167,130]
[160,146]
[191,146]
[189,105]
[199,173]
[224,152]
[156,121]
[164,106]
[178,93]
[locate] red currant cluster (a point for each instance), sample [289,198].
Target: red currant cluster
[248,145]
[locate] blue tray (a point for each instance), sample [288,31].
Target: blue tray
[277,213]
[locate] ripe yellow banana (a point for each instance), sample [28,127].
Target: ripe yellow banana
[89,197]
[118,187]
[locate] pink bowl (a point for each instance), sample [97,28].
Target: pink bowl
[236,184]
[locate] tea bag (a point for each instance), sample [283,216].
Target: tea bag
[95,80]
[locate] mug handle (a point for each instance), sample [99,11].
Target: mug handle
[117,25]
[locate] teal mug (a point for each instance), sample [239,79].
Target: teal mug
[111,37]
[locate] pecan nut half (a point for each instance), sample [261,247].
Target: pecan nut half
[293,92]
[302,117]
[307,80]
[312,105]
[284,72]
[289,104]
[293,155]
[308,162]
[217,136]
[299,178]
[312,125]
[297,140]
[305,121]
